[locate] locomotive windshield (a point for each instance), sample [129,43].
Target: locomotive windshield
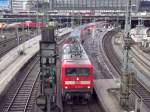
[77,71]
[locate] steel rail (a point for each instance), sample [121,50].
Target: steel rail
[21,85]
[140,89]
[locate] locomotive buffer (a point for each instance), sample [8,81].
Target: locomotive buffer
[46,101]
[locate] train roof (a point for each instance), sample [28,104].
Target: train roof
[68,59]
[77,31]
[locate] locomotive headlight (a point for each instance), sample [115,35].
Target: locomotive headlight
[88,87]
[66,87]
[77,78]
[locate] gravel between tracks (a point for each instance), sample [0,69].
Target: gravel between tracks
[139,88]
[21,95]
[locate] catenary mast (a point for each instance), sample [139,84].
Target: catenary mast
[126,73]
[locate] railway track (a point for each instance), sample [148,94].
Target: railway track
[92,106]
[139,88]
[95,54]
[113,58]
[8,44]
[141,58]
[145,55]
[21,95]
[143,92]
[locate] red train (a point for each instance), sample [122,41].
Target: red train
[76,75]
[87,30]
[26,24]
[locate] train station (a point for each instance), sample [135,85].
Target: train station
[74,55]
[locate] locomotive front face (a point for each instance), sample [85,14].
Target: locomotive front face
[78,76]
[77,80]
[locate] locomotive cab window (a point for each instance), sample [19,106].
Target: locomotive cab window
[77,71]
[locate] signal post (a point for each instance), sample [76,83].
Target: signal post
[46,101]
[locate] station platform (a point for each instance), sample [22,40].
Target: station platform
[108,100]
[108,94]
[12,62]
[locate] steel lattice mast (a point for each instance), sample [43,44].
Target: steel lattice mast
[126,75]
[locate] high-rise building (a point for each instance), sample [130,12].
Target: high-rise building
[21,5]
[5,5]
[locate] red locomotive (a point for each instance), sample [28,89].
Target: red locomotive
[76,73]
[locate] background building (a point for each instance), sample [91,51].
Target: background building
[92,4]
[21,5]
[144,5]
[5,4]
[31,5]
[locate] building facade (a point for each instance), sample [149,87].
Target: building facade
[21,5]
[28,5]
[93,4]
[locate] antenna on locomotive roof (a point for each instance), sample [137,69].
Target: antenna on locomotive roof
[75,49]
